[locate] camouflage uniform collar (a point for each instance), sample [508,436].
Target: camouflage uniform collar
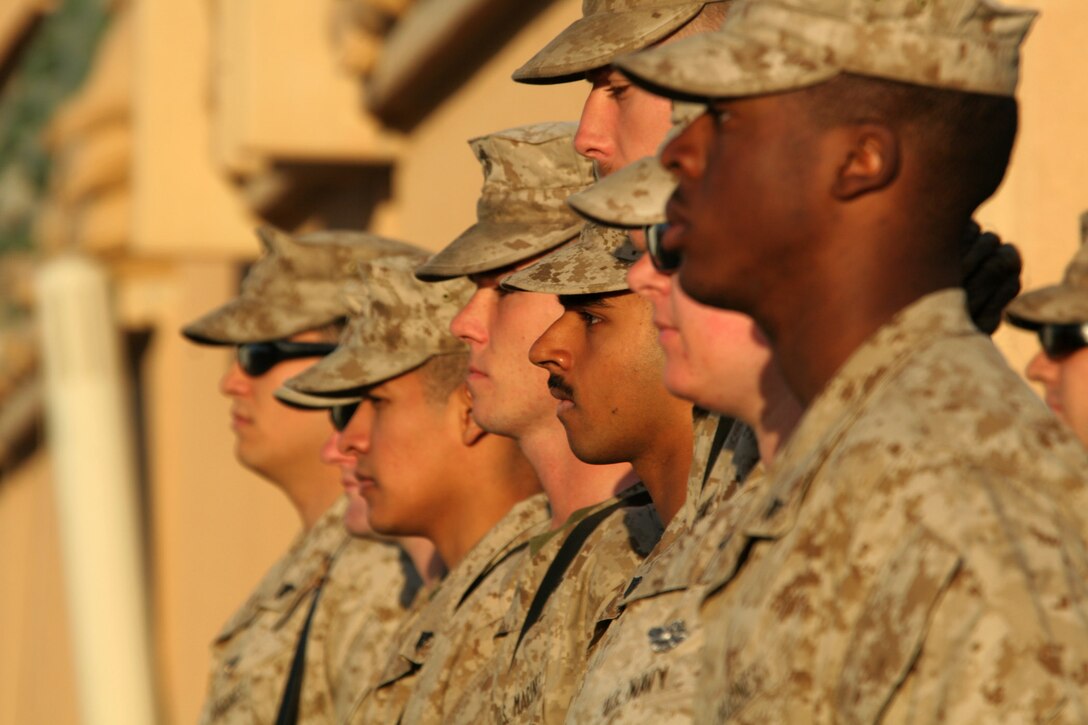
[507,536]
[674,564]
[935,316]
[301,569]
[540,541]
[938,315]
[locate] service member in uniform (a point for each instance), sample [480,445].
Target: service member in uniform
[620,122]
[919,552]
[646,659]
[605,367]
[528,174]
[1059,315]
[426,468]
[335,587]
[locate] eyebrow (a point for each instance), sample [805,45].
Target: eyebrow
[587,300]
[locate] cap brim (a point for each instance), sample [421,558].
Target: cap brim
[487,246]
[724,64]
[635,196]
[597,40]
[233,323]
[580,268]
[344,374]
[295,399]
[1054,305]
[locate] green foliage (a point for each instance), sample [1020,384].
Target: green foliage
[51,67]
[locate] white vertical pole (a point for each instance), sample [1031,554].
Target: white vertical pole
[90,442]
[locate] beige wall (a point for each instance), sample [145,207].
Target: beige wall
[1040,202]
[215,527]
[437,179]
[36,674]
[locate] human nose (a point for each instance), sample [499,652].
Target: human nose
[1041,368]
[234,381]
[468,324]
[550,350]
[594,138]
[331,453]
[645,281]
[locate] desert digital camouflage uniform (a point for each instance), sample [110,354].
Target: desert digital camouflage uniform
[646,654]
[572,572]
[919,552]
[540,642]
[1065,303]
[398,323]
[529,172]
[474,592]
[949,587]
[367,584]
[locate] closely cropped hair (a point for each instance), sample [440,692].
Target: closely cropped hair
[442,374]
[966,138]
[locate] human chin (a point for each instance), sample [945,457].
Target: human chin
[356,517]
[678,377]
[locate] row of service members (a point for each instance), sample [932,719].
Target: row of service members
[879,520]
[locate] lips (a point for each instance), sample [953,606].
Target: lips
[238,419]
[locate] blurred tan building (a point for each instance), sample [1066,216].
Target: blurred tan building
[200,120]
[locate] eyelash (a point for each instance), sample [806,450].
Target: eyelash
[718,115]
[617,91]
[588,318]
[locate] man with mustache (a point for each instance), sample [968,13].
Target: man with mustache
[604,367]
[646,657]
[328,585]
[601,524]
[424,468]
[921,543]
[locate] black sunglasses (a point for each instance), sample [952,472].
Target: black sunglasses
[1061,340]
[664,261]
[340,415]
[257,358]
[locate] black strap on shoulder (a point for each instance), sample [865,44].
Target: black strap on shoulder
[725,426]
[487,572]
[292,690]
[576,539]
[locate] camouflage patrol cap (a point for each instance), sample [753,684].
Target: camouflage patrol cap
[596,263]
[292,287]
[606,30]
[529,172]
[770,46]
[1065,303]
[397,323]
[635,196]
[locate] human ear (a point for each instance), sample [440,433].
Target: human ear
[471,432]
[871,163]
